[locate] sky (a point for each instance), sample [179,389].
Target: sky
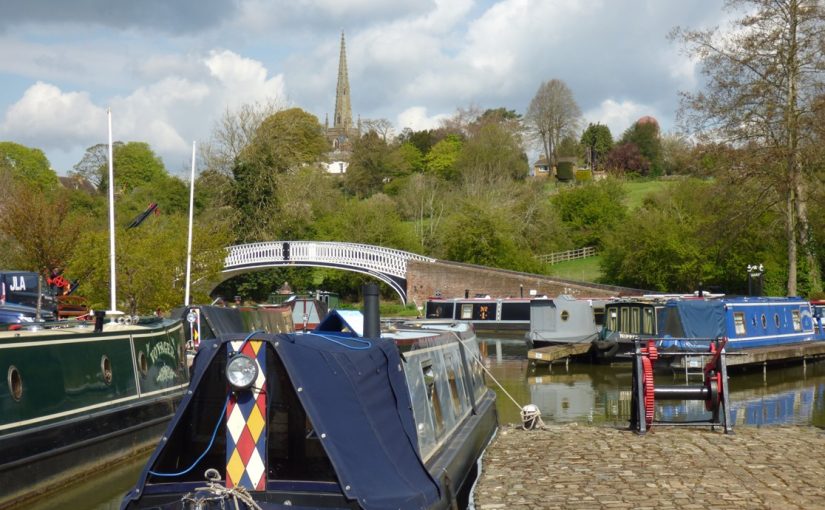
[169,70]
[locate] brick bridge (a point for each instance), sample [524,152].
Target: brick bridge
[413,277]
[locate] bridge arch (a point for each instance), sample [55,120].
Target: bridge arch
[385,264]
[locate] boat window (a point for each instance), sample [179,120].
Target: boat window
[106,369]
[598,315]
[467,311]
[739,323]
[624,323]
[15,383]
[764,322]
[647,321]
[776,319]
[612,319]
[455,394]
[797,324]
[430,379]
[634,321]
[565,315]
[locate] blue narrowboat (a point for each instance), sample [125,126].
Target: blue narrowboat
[344,416]
[747,322]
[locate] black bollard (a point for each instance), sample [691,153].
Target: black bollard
[372,318]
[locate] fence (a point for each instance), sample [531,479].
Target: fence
[561,256]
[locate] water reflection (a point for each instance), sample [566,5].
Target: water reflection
[600,394]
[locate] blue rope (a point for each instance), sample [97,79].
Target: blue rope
[217,425]
[202,455]
[367,343]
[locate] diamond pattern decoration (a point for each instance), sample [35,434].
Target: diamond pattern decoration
[246,425]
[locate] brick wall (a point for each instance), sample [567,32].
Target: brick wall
[425,279]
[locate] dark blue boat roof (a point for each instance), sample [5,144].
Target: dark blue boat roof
[698,318]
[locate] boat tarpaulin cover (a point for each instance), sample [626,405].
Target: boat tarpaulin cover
[698,319]
[356,396]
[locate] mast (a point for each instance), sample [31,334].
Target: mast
[189,244]
[113,285]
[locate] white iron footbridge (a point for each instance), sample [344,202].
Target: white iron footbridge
[385,264]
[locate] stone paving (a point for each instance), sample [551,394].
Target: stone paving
[590,467]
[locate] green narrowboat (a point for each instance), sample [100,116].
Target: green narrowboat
[78,396]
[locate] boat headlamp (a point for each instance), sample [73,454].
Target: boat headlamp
[241,372]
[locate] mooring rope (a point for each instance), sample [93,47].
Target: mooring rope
[530,414]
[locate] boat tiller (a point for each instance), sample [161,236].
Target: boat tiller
[713,390]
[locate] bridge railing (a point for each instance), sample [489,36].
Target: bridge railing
[373,258]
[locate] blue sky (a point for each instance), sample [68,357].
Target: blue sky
[169,69]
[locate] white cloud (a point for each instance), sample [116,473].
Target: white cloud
[46,113]
[416,118]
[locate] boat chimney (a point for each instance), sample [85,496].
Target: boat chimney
[372,320]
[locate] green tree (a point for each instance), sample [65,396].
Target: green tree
[591,211]
[27,165]
[763,74]
[371,221]
[372,163]
[598,141]
[135,164]
[442,158]
[151,262]
[492,154]
[285,142]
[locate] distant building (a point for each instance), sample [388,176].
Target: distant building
[77,182]
[541,168]
[343,132]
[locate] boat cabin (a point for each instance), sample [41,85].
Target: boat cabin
[485,313]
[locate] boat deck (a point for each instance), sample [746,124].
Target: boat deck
[553,353]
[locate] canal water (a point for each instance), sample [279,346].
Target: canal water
[575,392]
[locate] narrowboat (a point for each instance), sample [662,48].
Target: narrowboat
[79,395]
[344,416]
[565,320]
[484,313]
[746,322]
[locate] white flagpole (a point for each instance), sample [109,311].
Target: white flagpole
[189,245]
[112,292]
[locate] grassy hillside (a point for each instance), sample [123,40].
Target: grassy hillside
[638,190]
[584,270]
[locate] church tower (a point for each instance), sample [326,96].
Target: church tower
[343,109]
[342,132]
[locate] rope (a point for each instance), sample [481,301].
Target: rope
[366,343]
[530,414]
[202,455]
[216,492]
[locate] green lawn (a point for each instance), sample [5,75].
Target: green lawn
[638,190]
[584,270]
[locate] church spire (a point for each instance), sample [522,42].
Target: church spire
[343,109]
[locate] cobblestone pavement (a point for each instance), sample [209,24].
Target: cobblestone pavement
[589,467]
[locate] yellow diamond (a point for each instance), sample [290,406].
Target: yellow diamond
[234,468]
[255,423]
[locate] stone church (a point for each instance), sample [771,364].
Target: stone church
[343,132]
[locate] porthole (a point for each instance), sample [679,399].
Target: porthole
[143,365]
[764,322]
[106,369]
[15,383]
[776,319]
[565,315]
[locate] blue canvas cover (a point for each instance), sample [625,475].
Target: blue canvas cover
[355,394]
[692,319]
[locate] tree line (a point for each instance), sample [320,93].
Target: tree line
[741,186]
